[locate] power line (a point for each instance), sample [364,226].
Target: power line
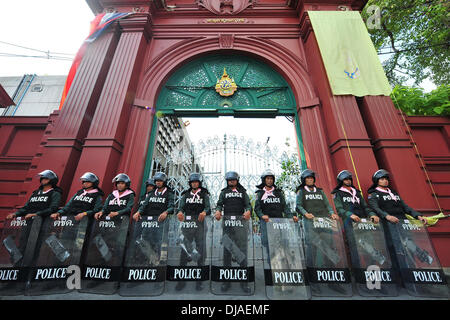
[28,48]
[12,55]
[416,48]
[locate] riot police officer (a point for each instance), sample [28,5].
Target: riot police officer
[234,201]
[349,201]
[120,201]
[44,200]
[351,206]
[270,200]
[86,201]
[311,201]
[149,187]
[195,204]
[387,202]
[270,203]
[159,202]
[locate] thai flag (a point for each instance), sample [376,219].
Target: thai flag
[106,19]
[100,23]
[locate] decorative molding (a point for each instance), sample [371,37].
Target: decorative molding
[221,7]
[226,41]
[310,103]
[305,26]
[226,20]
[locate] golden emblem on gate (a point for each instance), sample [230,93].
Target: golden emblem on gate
[226,86]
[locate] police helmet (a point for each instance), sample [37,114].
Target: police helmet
[380,174]
[49,174]
[122,177]
[90,177]
[232,175]
[344,174]
[150,182]
[195,177]
[267,173]
[161,176]
[307,173]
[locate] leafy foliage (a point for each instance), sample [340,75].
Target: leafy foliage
[417,33]
[288,180]
[413,101]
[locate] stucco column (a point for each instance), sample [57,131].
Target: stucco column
[104,143]
[348,142]
[395,153]
[64,145]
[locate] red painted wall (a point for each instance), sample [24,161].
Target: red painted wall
[20,138]
[432,137]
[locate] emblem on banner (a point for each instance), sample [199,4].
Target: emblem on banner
[351,69]
[226,86]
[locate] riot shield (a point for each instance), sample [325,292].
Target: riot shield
[371,262]
[188,260]
[144,270]
[59,246]
[326,259]
[15,254]
[232,264]
[419,265]
[101,270]
[283,258]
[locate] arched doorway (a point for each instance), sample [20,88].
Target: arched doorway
[194,90]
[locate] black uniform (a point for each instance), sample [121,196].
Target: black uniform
[41,203]
[313,200]
[234,203]
[119,203]
[386,203]
[349,203]
[82,201]
[383,203]
[154,204]
[274,206]
[191,205]
[157,202]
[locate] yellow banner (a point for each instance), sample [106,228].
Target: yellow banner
[349,56]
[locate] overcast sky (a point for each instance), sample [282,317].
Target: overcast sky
[58,26]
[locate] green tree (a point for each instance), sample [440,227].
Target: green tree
[416,34]
[413,101]
[289,178]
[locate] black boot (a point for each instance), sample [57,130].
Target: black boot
[180,285]
[245,287]
[225,286]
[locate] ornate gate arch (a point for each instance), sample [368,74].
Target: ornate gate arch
[192,91]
